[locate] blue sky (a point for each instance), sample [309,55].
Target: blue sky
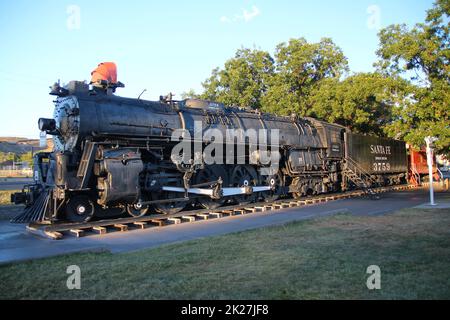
[166,45]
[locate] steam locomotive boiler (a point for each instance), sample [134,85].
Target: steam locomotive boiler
[116,155]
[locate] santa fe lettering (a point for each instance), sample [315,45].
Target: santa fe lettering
[380,149]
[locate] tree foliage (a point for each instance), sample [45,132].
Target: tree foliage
[421,54]
[190,94]
[300,68]
[10,156]
[362,102]
[243,81]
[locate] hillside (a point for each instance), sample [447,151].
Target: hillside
[21,145]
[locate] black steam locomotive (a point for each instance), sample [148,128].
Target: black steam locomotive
[115,155]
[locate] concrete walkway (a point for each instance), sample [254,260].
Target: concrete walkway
[17,244]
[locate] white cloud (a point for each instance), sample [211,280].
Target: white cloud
[250,15]
[245,16]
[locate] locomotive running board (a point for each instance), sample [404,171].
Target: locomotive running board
[226,191]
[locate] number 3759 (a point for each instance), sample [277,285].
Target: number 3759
[378,166]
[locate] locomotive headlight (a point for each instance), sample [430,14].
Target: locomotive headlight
[47,125]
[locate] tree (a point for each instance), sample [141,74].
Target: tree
[243,81]
[26,157]
[300,68]
[421,54]
[362,102]
[191,94]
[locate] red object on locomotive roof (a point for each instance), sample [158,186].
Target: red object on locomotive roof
[106,71]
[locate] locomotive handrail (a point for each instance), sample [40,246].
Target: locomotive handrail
[357,168]
[415,173]
[440,173]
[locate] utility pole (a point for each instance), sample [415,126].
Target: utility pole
[429,141]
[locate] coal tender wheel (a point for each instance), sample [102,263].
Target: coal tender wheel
[80,209]
[243,176]
[137,212]
[211,174]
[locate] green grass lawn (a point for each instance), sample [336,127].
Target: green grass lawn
[317,259]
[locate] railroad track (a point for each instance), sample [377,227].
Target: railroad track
[58,231]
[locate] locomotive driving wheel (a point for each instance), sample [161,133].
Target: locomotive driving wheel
[136,211]
[244,176]
[170,207]
[211,174]
[80,209]
[276,183]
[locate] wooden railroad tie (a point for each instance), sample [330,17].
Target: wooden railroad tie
[189,218]
[251,210]
[77,232]
[268,208]
[261,209]
[121,227]
[204,216]
[49,234]
[175,220]
[99,230]
[140,224]
[293,204]
[53,235]
[228,212]
[216,214]
[158,223]
[239,211]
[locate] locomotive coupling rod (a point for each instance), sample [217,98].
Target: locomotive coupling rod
[226,191]
[146,203]
[200,191]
